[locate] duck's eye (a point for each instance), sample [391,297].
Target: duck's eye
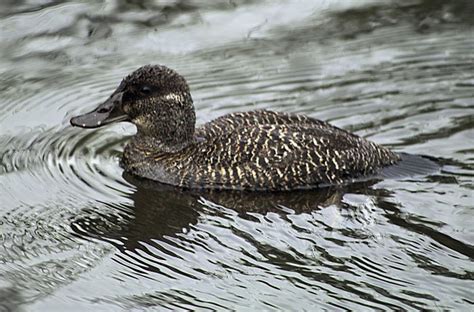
[145,90]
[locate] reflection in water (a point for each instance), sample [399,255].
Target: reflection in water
[75,233]
[159,210]
[154,232]
[155,212]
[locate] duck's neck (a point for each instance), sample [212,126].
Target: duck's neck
[151,146]
[162,133]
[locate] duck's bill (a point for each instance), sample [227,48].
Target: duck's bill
[108,112]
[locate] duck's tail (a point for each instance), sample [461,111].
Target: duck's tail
[411,165]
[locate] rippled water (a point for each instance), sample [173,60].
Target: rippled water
[77,234]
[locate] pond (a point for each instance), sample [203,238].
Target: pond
[78,234]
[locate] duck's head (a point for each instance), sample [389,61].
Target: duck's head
[155,98]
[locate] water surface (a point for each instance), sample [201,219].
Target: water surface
[77,234]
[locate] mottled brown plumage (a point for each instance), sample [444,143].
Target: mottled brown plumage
[256,150]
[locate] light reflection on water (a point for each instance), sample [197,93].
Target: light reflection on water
[75,233]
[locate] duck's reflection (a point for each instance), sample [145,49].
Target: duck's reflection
[159,210]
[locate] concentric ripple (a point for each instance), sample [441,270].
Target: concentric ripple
[76,232]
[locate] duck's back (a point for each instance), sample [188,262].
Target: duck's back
[264,150]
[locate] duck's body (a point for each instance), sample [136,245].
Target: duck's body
[257,150]
[261,150]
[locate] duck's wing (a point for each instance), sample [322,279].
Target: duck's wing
[290,155]
[265,118]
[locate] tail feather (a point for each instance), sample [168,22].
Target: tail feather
[410,165]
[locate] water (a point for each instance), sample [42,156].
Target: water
[77,234]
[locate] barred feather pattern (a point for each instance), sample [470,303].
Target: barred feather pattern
[262,150]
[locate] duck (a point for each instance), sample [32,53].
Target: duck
[259,150]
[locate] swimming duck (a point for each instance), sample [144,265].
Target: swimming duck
[255,150]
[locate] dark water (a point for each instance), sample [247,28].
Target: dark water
[77,235]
